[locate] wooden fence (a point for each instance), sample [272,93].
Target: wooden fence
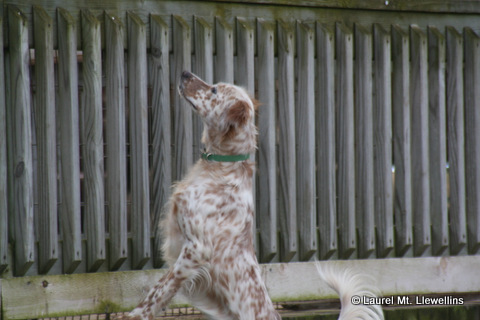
[369,127]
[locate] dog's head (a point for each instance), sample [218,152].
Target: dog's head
[227,112]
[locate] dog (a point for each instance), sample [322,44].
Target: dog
[208,224]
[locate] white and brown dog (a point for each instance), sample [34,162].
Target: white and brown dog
[207,227]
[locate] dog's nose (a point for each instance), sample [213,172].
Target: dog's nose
[186,75]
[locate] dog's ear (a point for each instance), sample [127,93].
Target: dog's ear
[238,114]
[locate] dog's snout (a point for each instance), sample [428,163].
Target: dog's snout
[186,75]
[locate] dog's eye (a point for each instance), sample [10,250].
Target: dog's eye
[214,90]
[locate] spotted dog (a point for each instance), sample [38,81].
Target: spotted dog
[207,227]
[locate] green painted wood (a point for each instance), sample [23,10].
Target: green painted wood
[69,135]
[115,138]
[92,139]
[267,213]
[325,138]
[456,139]
[382,141]
[45,125]
[419,135]
[287,188]
[364,193]
[161,126]
[401,140]
[19,144]
[139,170]
[437,131]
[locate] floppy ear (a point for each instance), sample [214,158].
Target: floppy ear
[238,114]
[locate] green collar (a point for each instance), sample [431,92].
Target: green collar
[222,158]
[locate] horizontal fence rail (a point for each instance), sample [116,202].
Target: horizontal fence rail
[369,130]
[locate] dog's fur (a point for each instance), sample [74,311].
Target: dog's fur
[207,228]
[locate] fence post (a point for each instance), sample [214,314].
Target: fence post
[92,138]
[138,106]
[116,155]
[456,139]
[287,204]
[401,139]
[161,135]
[20,165]
[46,140]
[68,126]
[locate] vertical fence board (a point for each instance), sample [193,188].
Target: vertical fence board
[182,111]
[223,51]
[456,139]
[46,140]
[419,145]
[472,137]
[325,136]
[138,106]
[364,142]
[267,191]
[245,77]
[161,135]
[437,140]
[287,202]
[116,154]
[345,152]
[305,143]
[401,140]
[20,165]
[3,164]
[68,126]
[382,141]
[92,130]
[203,67]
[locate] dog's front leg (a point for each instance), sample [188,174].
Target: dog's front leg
[160,295]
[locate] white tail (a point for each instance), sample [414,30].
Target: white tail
[351,285]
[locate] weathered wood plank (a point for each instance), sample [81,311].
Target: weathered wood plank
[3,165]
[325,137]
[116,153]
[20,165]
[345,152]
[364,193]
[138,106]
[472,137]
[183,139]
[161,134]
[203,67]
[401,140]
[223,51]
[51,296]
[46,140]
[287,196]
[245,77]
[456,139]
[267,188]
[305,142]
[437,140]
[419,134]
[68,126]
[382,141]
[92,139]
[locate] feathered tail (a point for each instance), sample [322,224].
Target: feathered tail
[352,286]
